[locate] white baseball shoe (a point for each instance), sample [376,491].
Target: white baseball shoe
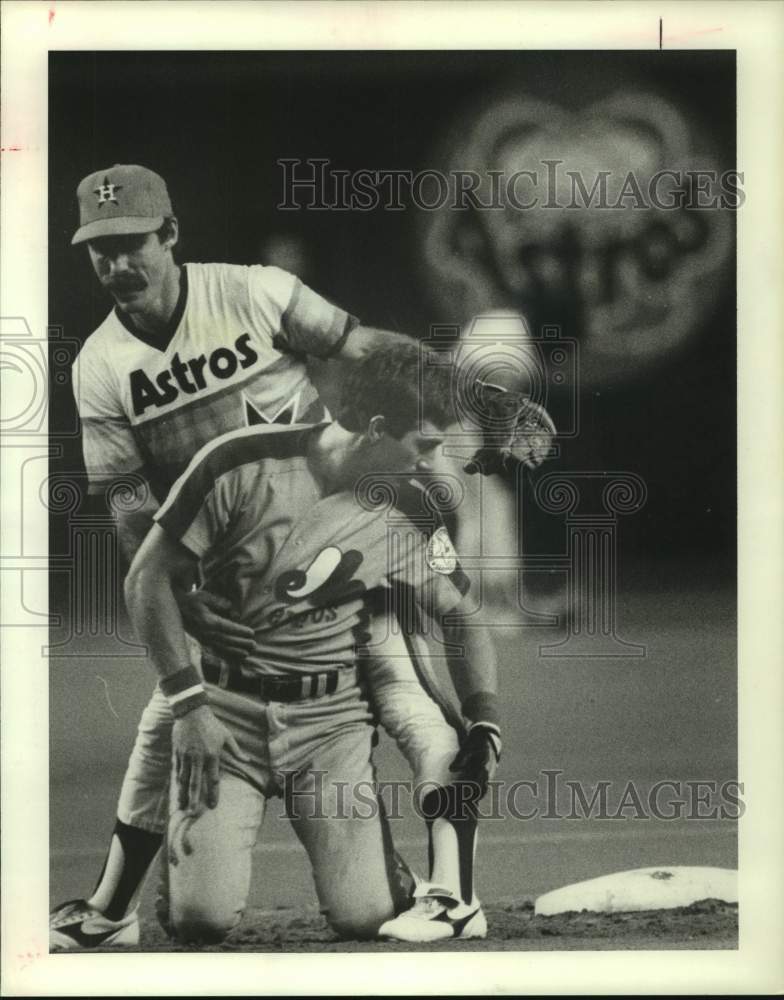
[436,915]
[76,924]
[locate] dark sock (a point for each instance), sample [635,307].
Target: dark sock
[139,848]
[457,804]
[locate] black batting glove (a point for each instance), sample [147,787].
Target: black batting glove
[478,757]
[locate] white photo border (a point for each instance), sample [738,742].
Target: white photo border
[31,28]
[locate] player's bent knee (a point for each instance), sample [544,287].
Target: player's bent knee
[196,924]
[352,929]
[362,923]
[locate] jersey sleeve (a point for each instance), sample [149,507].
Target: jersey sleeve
[108,442]
[423,562]
[422,558]
[199,506]
[297,318]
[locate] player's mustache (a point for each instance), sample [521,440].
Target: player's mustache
[129,284]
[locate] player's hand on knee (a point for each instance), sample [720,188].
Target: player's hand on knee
[210,619]
[478,757]
[198,741]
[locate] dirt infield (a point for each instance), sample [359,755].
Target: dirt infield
[709,924]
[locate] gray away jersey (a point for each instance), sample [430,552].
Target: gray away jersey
[303,569]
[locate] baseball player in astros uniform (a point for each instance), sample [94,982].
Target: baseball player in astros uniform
[274,518]
[188,353]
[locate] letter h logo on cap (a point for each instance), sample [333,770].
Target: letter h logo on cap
[122,200]
[106,191]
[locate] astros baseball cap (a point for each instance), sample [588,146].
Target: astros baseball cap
[121,200]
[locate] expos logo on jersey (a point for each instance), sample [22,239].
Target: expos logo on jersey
[327,582]
[328,578]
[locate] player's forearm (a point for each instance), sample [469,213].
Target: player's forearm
[132,528]
[160,566]
[363,340]
[473,671]
[152,605]
[328,374]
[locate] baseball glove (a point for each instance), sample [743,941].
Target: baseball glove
[523,431]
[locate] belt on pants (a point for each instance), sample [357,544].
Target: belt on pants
[271,687]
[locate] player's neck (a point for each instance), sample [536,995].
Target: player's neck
[155,318]
[328,457]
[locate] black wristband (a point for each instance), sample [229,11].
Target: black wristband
[180,681]
[180,708]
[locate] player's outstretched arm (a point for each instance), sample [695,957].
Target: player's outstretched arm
[328,373]
[363,340]
[474,674]
[474,670]
[160,567]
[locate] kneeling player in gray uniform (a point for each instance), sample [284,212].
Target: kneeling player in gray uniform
[280,525]
[188,353]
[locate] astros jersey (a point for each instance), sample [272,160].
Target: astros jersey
[300,568]
[148,409]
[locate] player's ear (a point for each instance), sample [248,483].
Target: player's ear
[376,428]
[172,232]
